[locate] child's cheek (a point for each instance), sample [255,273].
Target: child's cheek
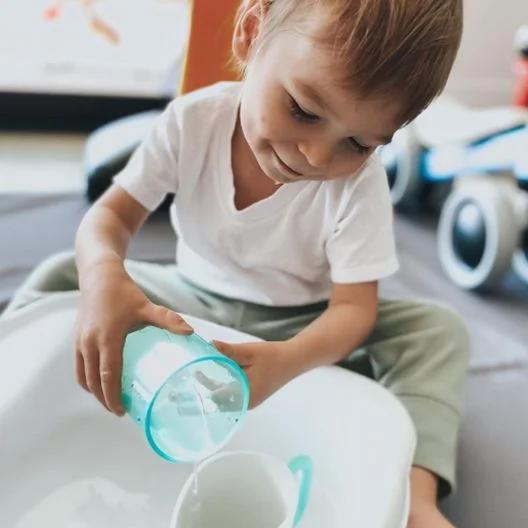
[271,125]
[251,129]
[257,130]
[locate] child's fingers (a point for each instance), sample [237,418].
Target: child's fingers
[228,397]
[164,318]
[206,381]
[91,370]
[79,366]
[110,365]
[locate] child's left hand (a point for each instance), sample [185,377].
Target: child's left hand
[265,363]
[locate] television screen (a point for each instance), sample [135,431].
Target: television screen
[129,48]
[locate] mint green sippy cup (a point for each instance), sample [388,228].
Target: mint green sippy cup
[186,396]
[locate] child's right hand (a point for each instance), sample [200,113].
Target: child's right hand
[111,306]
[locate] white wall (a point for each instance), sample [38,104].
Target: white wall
[483,73]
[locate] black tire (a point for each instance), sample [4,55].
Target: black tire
[520,258]
[480,260]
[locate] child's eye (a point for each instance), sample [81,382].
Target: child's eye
[301,115]
[297,112]
[358,147]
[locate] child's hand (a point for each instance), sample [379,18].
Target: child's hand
[265,364]
[111,306]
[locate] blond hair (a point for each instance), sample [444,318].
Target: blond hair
[401,49]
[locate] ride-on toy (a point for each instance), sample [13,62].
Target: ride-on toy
[483,156]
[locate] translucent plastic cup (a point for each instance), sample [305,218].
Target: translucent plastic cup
[187,397]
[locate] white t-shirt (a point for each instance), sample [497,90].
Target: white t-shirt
[285,250]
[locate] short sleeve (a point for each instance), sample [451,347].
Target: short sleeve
[152,171]
[361,247]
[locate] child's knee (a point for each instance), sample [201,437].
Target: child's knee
[56,272]
[60,260]
[448,330]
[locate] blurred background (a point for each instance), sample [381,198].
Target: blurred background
[81,80]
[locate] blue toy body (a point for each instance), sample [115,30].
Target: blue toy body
[504,152]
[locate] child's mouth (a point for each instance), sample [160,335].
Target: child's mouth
[286,168]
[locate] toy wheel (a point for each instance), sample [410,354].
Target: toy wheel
[477,235]
[520,258]
[404,177]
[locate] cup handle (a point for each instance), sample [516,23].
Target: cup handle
[302,464]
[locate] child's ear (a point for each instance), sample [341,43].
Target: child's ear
[248,27]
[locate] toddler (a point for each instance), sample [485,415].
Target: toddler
[284,219]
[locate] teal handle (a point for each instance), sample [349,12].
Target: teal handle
[302,464]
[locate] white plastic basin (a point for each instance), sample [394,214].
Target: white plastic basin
[67,463]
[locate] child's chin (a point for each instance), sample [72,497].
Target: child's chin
[278,180]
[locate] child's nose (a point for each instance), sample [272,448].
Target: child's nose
[318,153]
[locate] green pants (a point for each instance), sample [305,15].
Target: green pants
[419,351]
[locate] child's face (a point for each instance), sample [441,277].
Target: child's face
[298,123]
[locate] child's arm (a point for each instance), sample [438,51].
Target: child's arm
[105,231]
[340,329]
[111,303]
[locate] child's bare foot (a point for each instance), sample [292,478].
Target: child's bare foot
[424,512]
[427,515]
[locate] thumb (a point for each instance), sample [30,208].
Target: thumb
[237,352]
[164,318]
[220,345]
[226,348]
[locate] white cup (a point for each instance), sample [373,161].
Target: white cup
[244,489]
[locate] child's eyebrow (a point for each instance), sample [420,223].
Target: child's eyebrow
[312,94]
